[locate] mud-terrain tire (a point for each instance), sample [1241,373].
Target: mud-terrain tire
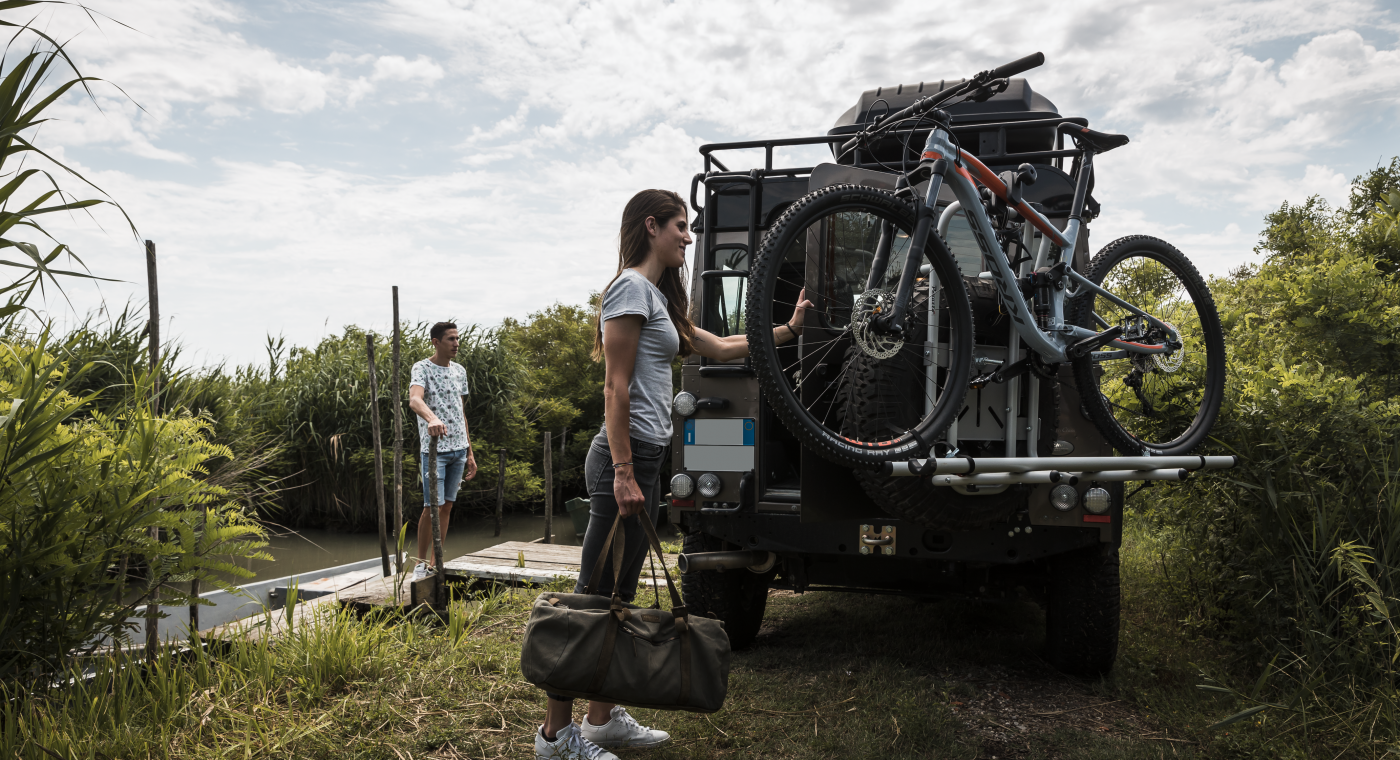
[941,507]
[1081,611]
[736,597]
[880,389]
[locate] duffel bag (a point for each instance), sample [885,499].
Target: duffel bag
[592,647]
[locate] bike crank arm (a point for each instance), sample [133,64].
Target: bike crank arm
[928,210]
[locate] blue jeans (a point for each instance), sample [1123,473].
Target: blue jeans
[450,465]
[647,460]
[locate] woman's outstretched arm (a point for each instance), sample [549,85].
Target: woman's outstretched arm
[711,346]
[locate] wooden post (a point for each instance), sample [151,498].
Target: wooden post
[153,299]
[194,585]
[440,584]
[548,494]
[398,440]
[559,497]
[500,489]
[378,455]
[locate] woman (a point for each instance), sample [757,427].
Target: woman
[643,325]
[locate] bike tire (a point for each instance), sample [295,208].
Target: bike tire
[825,435]
[1175,414]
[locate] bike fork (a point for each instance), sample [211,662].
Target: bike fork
[894,321]
[882,248]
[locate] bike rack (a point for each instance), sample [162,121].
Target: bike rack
[982,472]
[999,471]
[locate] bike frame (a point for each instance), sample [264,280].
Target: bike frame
[1051,343]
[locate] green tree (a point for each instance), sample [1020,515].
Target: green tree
[563,385]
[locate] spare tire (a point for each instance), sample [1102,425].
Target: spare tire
[885,393]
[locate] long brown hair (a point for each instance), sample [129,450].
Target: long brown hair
[634,246]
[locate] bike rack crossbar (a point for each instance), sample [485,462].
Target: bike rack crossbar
[1005,478]
[1055,476]
[1095,466]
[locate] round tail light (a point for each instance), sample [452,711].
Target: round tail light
[1064,497]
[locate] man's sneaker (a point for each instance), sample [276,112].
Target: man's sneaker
[623,731]
[568,744]
[421,571]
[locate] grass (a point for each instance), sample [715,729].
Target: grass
[831,675]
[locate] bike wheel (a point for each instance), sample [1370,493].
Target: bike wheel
[1159,404]
[826,242]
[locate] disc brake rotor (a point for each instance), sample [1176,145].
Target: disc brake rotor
[1169,362]
[869,306]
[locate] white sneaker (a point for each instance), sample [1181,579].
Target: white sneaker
[421,571]
[623,731]
[568,744]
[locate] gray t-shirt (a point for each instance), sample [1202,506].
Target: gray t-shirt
[443,389]
[649,392]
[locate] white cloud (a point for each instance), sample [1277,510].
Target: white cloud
[396,68]
[1232,108]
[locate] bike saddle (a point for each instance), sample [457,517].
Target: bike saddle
[1101,142]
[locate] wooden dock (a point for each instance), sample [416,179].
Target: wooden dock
[516,561]
[512,562]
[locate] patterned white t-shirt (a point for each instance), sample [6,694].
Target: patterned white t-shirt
[443,389]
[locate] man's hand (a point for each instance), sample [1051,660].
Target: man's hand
[471,465]
[630,500]
[437,428]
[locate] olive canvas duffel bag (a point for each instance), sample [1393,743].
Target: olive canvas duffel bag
[592,647]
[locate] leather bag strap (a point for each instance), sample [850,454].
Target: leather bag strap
[615,542]
[678,611]
[617,536]
[617,539]
[655,546]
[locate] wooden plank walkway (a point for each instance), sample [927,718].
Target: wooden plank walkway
[515,561]
[274,622]
[365,589]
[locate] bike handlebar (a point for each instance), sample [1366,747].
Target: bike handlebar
[924,104]
[1016,67]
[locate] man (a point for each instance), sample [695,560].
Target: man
[437,393]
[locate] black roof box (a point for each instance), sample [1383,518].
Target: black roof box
[1017,103]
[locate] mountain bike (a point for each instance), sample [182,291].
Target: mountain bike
[888,354]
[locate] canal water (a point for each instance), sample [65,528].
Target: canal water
[306,551]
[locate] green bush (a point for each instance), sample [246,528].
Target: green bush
[84,500]
[93,484]
[1296,553]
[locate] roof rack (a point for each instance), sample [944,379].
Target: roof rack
[974,123]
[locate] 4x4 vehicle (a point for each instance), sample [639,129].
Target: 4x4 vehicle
[760,510]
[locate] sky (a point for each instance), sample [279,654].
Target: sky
[294,159]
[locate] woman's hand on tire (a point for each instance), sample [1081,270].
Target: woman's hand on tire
[630,500]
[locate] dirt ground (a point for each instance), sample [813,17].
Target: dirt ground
[976,684]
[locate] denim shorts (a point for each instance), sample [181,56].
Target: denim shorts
[450,465]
